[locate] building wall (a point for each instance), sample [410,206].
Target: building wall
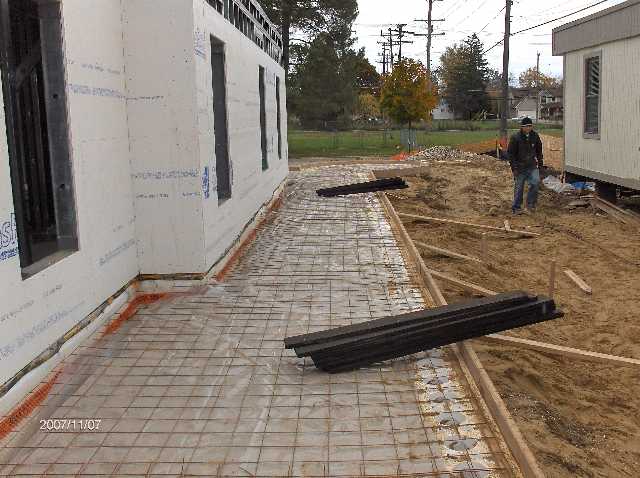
[160,63]
[616,153]
[37,311]
[140,121]
[251,186]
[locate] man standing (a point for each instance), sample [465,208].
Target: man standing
[526,159]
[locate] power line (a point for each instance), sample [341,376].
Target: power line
[564,16]
[490,21]
[547,22]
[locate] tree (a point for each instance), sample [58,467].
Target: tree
[407,93]
[308,16]
[368,106]
[494,79]
[464,76]
[529,79]
[324,85]
[368,78]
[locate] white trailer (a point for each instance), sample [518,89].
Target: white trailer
[602,97]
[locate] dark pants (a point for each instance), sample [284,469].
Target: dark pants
[531,176]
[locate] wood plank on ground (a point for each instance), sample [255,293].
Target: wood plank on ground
[578,281]
[401,172]
[468,286]
[446,252]
[468,224]
[559,349]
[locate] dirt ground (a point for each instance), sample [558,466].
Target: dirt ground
[580,418]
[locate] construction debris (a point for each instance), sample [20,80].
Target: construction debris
[367,187]
[359,345]
[578,281]
[442,153]
[622,215]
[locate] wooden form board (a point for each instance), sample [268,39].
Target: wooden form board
[467,224]
[401,172]
[469,360]
[559,349]
[468,286]
[446,252]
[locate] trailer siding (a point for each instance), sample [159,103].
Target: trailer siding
[614,155]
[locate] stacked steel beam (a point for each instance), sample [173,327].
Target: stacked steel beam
[354,346]
[366,187]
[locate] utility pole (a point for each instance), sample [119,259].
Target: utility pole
[430,33]
[391,49]
[384,56]
[400,35]
[505,72]
[538,88]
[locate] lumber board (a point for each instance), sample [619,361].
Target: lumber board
[578,281]
[446,252]
[623,218]
[561,350]
[463,308]
[383,349]
[468,286]
[416,217]
[364,187]
[469,319]
[626,212]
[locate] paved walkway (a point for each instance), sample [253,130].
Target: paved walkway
[201,384]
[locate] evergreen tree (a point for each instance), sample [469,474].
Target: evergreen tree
[328,76]
[464,75]
[310,17]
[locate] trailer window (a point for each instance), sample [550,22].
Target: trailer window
[592,96]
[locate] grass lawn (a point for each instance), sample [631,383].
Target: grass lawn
[372,143]
[378,143]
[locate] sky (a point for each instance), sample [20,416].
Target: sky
[464,17]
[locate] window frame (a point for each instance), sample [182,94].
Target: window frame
[219,47]
[585,82]
[262,98]
[61,174]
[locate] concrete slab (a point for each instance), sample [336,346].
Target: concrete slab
[201,385]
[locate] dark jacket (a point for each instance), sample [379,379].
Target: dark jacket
[525,153]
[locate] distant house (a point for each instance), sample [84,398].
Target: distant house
[443,111]
[527,107]
[545,104]
[551,104]
[602,70]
